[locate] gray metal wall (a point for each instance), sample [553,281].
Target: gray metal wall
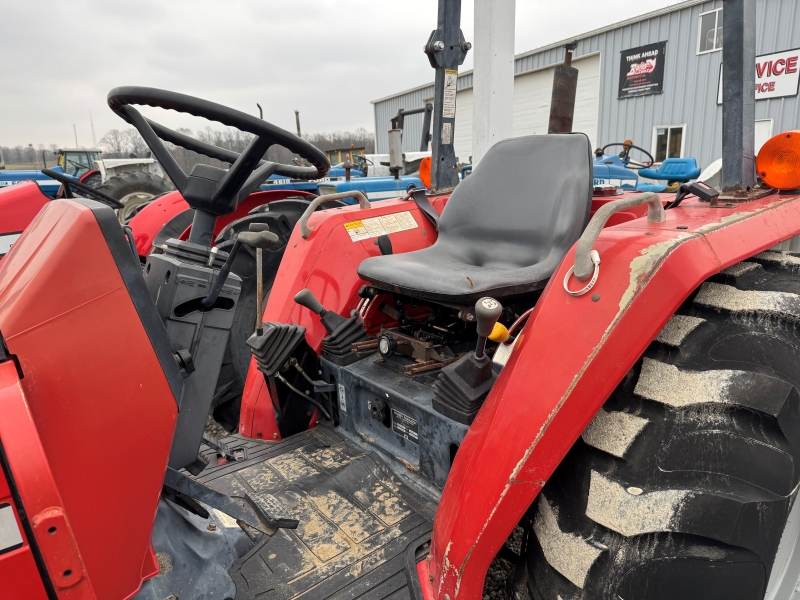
[690,81]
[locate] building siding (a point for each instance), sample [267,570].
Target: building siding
[690,81]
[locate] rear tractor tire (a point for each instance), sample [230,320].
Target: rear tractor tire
[682,485]
[134,189]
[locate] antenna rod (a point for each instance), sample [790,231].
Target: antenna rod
[75,131]
[297,121]
[94,139]
[260,111]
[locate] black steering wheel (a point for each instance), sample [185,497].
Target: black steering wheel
[625,155]
[210,190]
[68,183]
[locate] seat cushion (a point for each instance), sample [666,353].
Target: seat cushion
[504,229]
[673,169]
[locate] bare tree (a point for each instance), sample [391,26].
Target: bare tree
[115,142]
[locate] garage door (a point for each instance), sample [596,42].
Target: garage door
[532,94]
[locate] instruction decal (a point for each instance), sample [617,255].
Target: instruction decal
[447,133]
[405,426]
[377,226]
[449,102]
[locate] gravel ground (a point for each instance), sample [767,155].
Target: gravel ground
[499,570]
[214,429]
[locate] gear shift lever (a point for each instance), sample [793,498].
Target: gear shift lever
[463,385]
[487,311]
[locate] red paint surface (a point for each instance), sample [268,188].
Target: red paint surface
[18,573]
[149,221]
[88,174]
[19,204]
[89,372]
[556,389]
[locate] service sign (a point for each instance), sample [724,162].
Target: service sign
[641,70]
[777,75]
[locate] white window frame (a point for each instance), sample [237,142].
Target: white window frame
[667,127]
[700,31]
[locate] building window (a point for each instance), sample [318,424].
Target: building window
[710,38]
[668,142]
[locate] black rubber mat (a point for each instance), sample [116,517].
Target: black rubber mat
[361,528]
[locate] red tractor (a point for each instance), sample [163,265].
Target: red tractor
[437,382]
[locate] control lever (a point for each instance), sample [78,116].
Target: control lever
[259,228]
[487,311]
[337,346]
[329,319]
[462,386]
[263,239]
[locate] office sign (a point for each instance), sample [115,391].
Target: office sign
[777,75]
[641,70]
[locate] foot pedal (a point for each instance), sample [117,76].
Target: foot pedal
[275,345]
[272,512]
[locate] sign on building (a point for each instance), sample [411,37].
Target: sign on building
[777,75]
[641,70]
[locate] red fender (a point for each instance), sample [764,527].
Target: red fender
[86,175]
[149,221]
[554,390]
[66,417]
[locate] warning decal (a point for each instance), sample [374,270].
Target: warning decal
[449,103]
[377,226]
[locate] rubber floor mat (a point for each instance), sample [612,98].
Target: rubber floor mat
[360,525]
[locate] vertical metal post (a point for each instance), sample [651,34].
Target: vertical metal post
[426,128]
[493,77]
[446,50]
[565,87]
[738,95]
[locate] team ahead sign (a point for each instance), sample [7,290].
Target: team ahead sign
[641,70]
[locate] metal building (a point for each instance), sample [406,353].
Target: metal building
[653,79]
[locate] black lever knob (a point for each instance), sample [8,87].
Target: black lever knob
[259,239]
[487,311]
[306,298]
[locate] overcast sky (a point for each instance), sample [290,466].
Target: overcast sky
[326,58]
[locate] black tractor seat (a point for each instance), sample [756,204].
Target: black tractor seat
[504,230]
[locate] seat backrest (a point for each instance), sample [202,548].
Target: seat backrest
[673,169]
[528,198]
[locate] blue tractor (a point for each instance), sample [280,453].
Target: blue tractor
[72,162]
[622,171]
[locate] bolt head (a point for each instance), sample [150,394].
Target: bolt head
[438,46]
[211,527]
[274,436]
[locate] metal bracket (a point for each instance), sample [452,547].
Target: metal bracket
[249,515]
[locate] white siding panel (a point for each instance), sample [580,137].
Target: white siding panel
[587,98]
[532,93]
[462,140]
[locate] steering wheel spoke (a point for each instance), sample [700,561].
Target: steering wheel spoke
[213,190]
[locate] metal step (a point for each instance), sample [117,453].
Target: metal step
[361,528]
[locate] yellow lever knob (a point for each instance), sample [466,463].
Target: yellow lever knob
[499,333]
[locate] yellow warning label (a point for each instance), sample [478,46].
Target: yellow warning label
[377,226]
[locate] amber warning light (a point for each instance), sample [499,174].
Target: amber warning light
[778,161]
